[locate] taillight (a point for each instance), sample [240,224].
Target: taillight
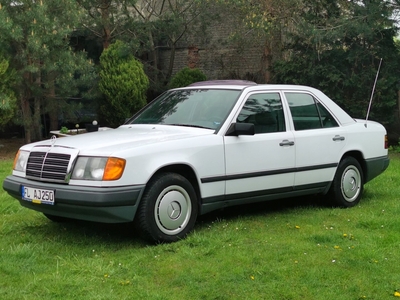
[386,142]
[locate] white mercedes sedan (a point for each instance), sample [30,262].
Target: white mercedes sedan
[200,148]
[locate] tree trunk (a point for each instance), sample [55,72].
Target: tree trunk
[52,104]
[26,116]
[193,57]
[26,108]
[37,134]
[53,116]
[153,57]
[105,17]
[266,63]
[171,61]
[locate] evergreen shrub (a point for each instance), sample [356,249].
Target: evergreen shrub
[123,83]
[185,77]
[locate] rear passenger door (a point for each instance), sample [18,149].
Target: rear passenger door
[319,140]
[262,163]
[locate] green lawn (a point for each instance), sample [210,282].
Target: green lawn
[287,249]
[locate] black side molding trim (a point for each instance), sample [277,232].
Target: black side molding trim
[266,173]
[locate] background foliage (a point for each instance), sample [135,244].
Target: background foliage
[8,100]
[334,46]
[123,83]
[338,51]
[48,71]
[186,76]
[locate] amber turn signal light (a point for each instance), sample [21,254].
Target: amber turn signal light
[114,168]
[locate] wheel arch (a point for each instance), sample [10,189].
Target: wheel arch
[360,158]
[185,171]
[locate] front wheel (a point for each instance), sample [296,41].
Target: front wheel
[348,183]
[168,209]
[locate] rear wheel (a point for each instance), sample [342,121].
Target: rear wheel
[168,209]
[348,183]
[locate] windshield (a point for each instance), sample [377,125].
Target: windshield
[195,108]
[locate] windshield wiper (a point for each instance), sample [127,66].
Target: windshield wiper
[190,125]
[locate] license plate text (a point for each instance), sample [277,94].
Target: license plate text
[36,195]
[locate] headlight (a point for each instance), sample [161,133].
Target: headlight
[21,158]
[98,168]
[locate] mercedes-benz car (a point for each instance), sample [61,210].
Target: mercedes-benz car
[200,148]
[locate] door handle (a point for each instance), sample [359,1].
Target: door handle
[286,143]
[338,138]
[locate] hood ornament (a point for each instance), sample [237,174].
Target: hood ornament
[53,140]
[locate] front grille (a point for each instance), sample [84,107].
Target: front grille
[48,166]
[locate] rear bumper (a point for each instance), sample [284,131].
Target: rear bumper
[375,166]
[99,204]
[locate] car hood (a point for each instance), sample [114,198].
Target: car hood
[124,137]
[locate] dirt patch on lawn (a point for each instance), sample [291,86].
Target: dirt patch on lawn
[8,147]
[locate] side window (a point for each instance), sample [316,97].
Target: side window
[308,113]
[265,112]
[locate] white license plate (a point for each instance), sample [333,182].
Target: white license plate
[39,196]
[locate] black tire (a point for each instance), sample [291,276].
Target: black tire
[56,219]
[348,183]
[168,209]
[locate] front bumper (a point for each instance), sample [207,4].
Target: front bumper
[98,204]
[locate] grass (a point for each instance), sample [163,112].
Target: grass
[287,249]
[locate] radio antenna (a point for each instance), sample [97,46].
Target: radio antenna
[373,91]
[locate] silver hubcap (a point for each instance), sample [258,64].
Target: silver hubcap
[172,210]
[351,183]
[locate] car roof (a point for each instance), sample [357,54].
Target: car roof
[244,84]
[223,82]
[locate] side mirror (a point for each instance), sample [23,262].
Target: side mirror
[237,129]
